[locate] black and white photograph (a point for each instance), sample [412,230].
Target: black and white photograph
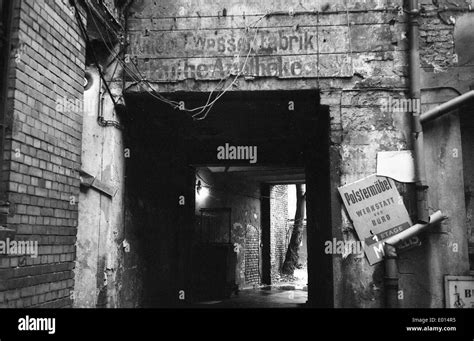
[300,159]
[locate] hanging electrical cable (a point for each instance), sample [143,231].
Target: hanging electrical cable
[138,79]
[209,103]
[100,119]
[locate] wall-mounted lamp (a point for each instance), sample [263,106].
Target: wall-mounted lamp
[201,191]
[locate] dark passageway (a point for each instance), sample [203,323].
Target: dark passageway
[176,159]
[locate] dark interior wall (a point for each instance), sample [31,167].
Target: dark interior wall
[242,196]
[157,175]
[318,217]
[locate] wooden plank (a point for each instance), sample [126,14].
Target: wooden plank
[104,188]
[89,181]
[86,179]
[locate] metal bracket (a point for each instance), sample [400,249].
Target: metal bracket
[89,181]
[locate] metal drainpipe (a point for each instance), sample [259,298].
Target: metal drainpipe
[391,278]
[390,257]
[417,130]
[447,107]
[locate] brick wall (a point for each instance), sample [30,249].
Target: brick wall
[436,36]
[278,227]
[252,255]
[42,153]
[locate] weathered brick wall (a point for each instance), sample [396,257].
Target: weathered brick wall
[43,153]
[278,227]
[437,22]
[252,255]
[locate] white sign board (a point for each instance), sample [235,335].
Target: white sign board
[459,291]
[398,165]
[377,212]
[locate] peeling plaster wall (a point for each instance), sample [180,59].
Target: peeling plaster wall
[99,265]
[89,217]
[370,39]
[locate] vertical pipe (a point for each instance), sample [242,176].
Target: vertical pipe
[5,63]
[417,130]
[391,276]
[416,143]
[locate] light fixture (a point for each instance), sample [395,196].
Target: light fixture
[201,191]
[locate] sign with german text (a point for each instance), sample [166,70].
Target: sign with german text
[164,54]
[377,212]
[459,291]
